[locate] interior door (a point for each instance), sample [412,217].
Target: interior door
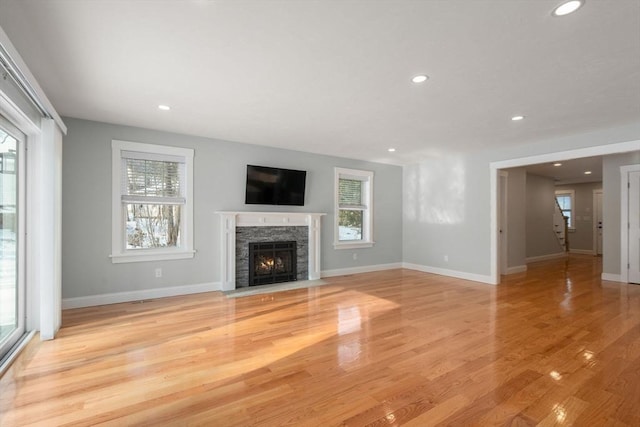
[12,284]
[634,227]
[597,212]
[502,211]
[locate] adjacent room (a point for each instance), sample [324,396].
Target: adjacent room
[261,213]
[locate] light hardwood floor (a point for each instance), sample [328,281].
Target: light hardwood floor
[553,346]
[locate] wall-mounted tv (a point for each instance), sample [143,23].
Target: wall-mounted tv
[275,186]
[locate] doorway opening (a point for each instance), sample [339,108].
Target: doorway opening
[495,188]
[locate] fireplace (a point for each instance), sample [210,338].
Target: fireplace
[272,262]
[239,229]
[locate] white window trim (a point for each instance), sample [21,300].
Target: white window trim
[119,253]
[572,195]
[367,227]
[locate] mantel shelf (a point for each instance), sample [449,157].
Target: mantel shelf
[270,219]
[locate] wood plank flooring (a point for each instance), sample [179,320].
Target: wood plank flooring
[552,346]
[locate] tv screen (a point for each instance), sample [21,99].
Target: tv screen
[274,186]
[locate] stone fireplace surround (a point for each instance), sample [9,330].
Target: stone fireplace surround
[247,235]
[231,221]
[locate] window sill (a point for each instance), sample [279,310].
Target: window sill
[151,256]
[352,245]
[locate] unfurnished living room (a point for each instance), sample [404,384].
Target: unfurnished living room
[319,213]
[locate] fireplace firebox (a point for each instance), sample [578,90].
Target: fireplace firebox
[272,262]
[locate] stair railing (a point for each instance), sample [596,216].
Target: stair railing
[561,227]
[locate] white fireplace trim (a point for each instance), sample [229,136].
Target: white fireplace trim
[231,220]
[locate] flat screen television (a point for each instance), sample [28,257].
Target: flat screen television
[275,186]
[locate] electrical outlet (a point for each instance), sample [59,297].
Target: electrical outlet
[446,258]
[355,256]
[158,273]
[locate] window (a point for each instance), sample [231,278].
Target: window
[565,199]
[354,205]
[152,202]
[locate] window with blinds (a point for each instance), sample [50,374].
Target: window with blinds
[353,207]
[350,217]
[350,192]
[149,179]
[153,201]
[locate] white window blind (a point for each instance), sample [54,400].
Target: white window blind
[152,178]
[350,194]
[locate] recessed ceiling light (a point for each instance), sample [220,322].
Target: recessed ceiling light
[391,150]
[164,107]
[567,7]
[557,164]
[587,172]
[420,79]
[516,118]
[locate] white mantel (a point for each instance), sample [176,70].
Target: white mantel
[231,220]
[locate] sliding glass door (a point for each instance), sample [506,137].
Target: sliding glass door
[12,284]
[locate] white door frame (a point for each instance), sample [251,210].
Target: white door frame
[494,182]
[593,215]
[624,219]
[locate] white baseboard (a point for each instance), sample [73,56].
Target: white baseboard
[612,277]
[516,269]
[581,251]
[363,269]
[450,273]
[546,257]
[117,297]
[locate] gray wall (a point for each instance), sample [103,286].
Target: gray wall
[447,199]
[219,181]
[446,214]
[582,237]
[444,203]
[516,217]
[540,203]
[611,208]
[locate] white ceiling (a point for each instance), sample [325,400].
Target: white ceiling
[570,171]
[335,77]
